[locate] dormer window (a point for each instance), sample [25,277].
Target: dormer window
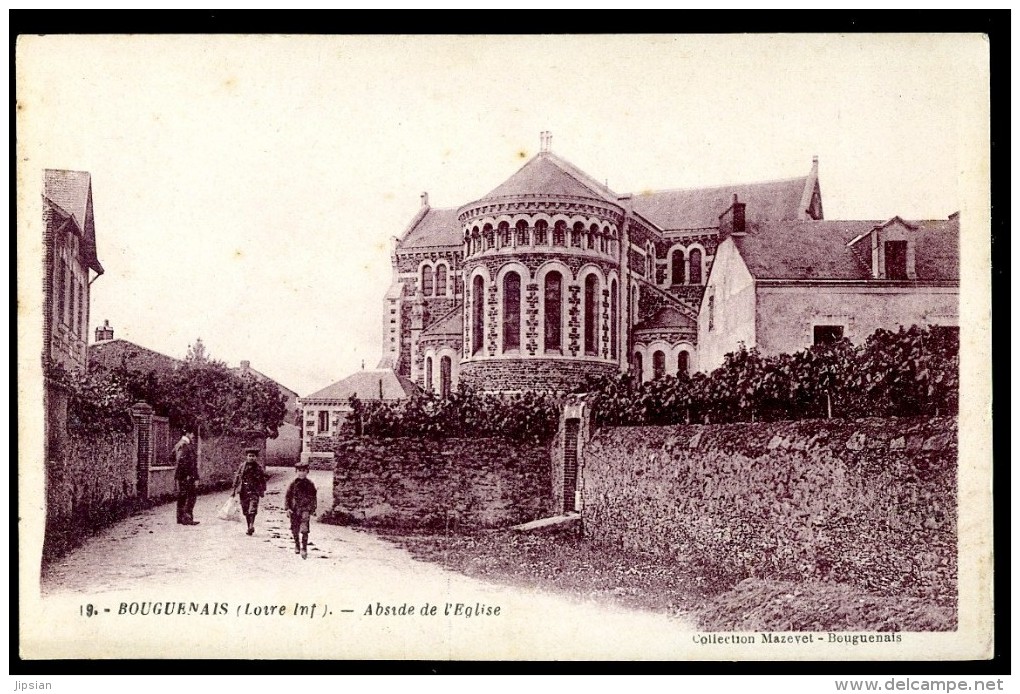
[896,260]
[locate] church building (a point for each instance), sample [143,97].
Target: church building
[552,277]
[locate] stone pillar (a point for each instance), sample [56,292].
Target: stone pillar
[417,324]
[142,413]
[531,319]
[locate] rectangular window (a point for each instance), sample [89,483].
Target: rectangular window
[61,276]
[70,303]
[323,421]
[896,260]
[81,310]
[828,334]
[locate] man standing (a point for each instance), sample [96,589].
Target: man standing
[186,477]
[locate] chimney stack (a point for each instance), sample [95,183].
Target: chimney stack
[425,199]
[245,365]
[104,332]
[732,222]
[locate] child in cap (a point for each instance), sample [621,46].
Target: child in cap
[301,503]
[250,482]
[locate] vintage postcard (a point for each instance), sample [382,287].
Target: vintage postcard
[504,347]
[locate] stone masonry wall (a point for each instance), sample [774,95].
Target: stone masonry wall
[89,485]
[869,502]
[472,483]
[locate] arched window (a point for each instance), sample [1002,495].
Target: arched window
[575,234]
[445,367]
[658,364]
[638,366]
[488,234]
[426,281]
[553,311]
[614,321]
[428,373]
[593,233]
[440,280]
[504,234]
[474,240]
[676,274]
[511,311]
[522,233]
[694,274]
[560,234]
[605,243]
[477,314]
[683,364]
[590,314]
[541,232]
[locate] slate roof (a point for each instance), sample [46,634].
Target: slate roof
[818,250]
[547,174]
[450,323]
[365,384]
[696,208]
[71,193]
[666,318]
[437,227]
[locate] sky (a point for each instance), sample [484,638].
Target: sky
[247,189]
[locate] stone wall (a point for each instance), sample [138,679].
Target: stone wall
[220,456]
[869,502]
[89,485]
[471,483]
[532,374]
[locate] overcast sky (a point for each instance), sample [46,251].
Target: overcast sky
[246,189]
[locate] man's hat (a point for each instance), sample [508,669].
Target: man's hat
[300,465]
[254,451]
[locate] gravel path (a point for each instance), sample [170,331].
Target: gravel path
[148,559]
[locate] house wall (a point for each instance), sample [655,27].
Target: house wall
[220,456]
[473,483]
[532,374]
[787,314]
[731,293]
[869,502]
[285,449]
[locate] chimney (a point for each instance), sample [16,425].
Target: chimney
[245,365]
[732,221]
[545,141]
[104,333]
[425,199]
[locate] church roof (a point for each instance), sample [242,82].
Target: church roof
[804,250]
[666,318]
[436,227]
[696,208]
[450,323]
[548,175]
[367,385]
[71,193]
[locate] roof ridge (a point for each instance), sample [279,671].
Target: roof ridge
[582,177]
[722,185]
[134,344]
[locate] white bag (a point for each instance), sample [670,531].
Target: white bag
[230,510]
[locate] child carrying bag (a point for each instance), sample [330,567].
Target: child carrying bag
[231,509]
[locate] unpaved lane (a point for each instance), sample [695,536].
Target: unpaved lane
[228,582]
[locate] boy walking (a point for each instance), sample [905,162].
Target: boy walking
[250,481]
[301,503]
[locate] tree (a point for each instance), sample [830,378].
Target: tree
[197,353]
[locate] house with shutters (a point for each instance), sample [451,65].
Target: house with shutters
[325,410]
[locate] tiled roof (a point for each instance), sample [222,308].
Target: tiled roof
[450,323]
[667,318]
[114,353]
[818,250]
[437,227]
[71,191]
[547,174]
[366,385]
[696,208]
